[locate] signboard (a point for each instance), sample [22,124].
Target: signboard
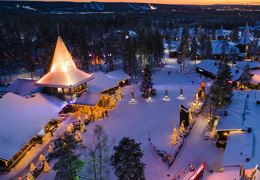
[198,173]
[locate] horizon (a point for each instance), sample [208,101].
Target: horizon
[169,2]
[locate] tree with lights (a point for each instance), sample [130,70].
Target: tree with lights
[82,127]
[182,128]
[192,107]
[174,136]
[190,116]
[118,96]
[32,167]
[29,177]
[97,113]
[127,160]
[112,104]
[46,167]
[78,136]
[147,83]
[50,149]
[42,157]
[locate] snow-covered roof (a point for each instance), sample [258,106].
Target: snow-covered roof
[118,75]
[217,44]
[101,82]
[212,67]
[235,110]
[23,87]
[255,79]
[64,72]
[253,64]
[22,118]
[88,98]
[238,148]
[245,38]
[249,165]
[229,173]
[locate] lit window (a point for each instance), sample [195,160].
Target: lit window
[59,90]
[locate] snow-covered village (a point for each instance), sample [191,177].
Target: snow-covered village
[129,91]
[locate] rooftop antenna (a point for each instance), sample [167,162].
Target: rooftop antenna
[58,30]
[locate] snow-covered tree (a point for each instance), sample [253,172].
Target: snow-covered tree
[184,46]
[194,49]
[245,76]
[224,50]
[168,41]
[221,89]
[147,83]
[68,165]
[97,153]
[127,160]
[234,34]
[209,49]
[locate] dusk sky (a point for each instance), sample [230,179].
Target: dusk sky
[200,2]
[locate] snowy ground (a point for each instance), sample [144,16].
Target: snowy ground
[158,117]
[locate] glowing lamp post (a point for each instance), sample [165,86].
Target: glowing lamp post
[133,101]
[181,92]
[149,95]
[166,93]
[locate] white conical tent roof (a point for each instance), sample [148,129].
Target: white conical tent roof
[245,37]
[62,60]
[221,32]
[64,72]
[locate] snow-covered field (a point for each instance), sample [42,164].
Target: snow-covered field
[159,117]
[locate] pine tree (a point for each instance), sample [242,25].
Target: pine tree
[245,76]
[183,49]
[234,34]
[168,41]
[203,46]
[224,50]
[209,49]
[194,49]
[127,160]
[69,164]
[221,89]
[147,84]
[158,47]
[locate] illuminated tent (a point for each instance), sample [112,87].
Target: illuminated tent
[64,79]
[63,73]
